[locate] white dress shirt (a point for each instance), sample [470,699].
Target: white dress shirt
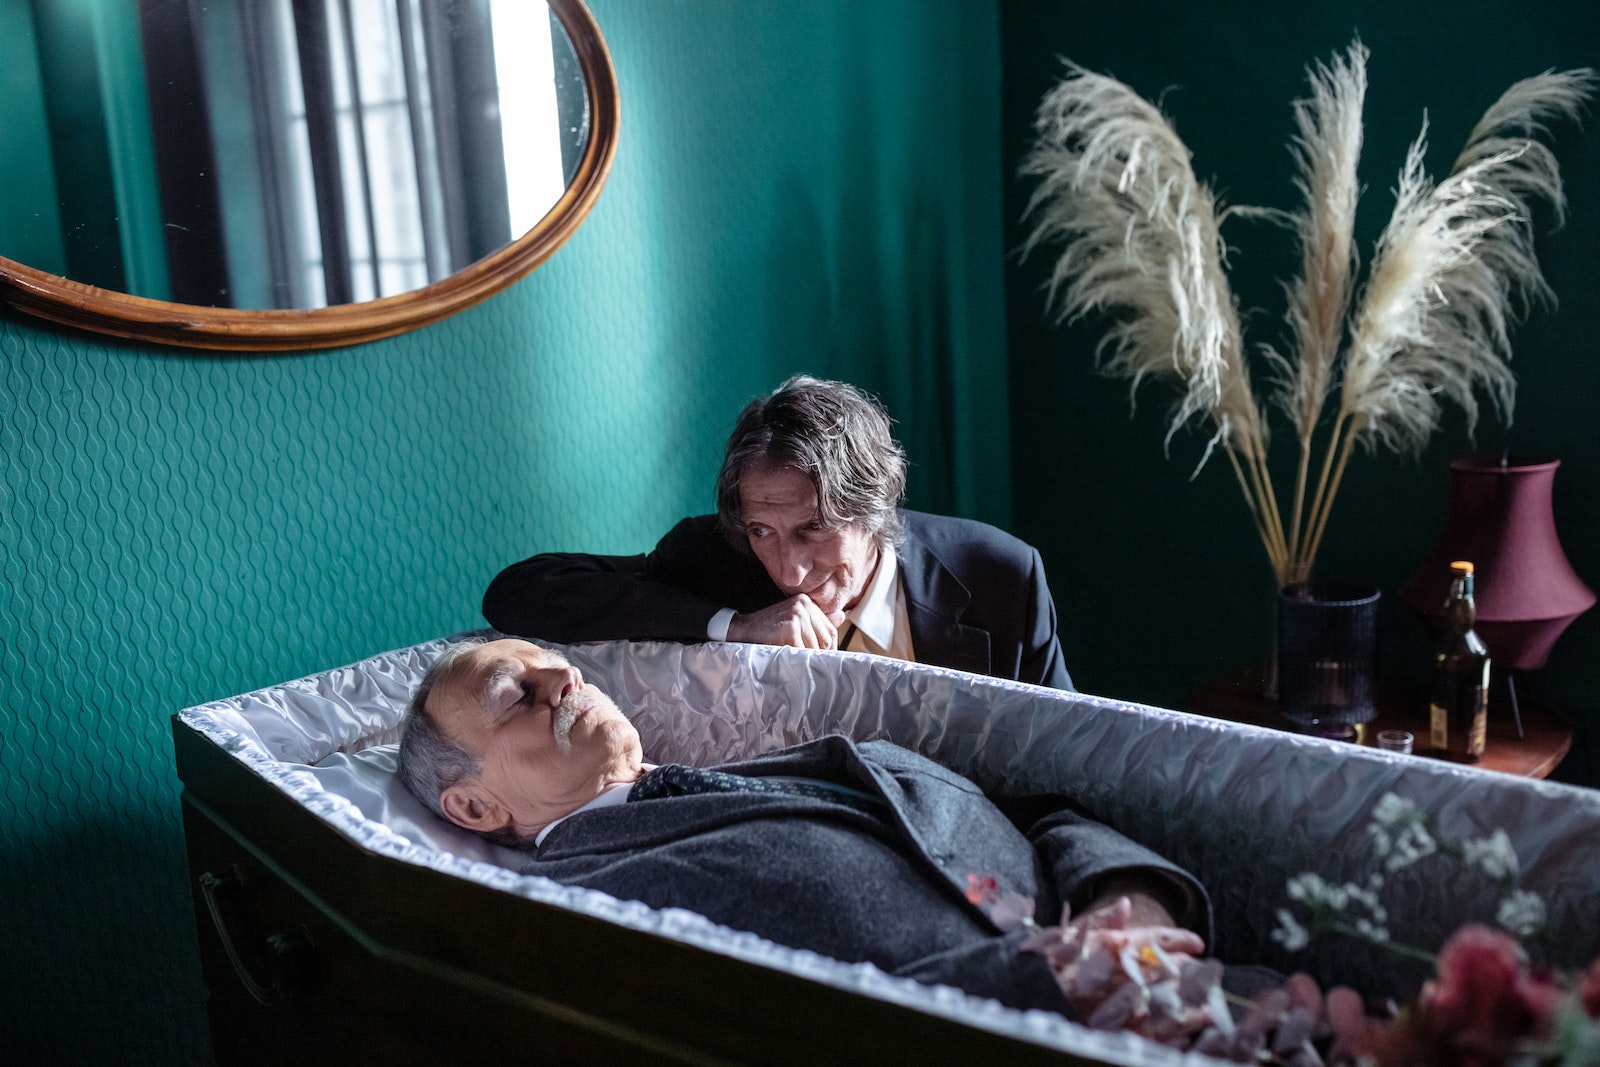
[881,624]
[617,794]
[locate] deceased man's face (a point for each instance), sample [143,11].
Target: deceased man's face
[832,567]
[546,742]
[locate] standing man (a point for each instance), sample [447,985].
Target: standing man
[808,548]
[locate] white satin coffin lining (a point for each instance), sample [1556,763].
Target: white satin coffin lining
[1244,808]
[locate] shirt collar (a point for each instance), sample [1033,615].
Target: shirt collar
[874,613]
[616,794]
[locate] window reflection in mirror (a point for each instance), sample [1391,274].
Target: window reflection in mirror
[274,154]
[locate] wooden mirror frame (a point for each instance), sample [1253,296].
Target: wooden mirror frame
[69,303]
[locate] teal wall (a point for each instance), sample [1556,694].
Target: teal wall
[1185,593]
[805,186]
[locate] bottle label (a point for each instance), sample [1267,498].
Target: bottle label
[1466,735]
[1480,716]
[1480,723]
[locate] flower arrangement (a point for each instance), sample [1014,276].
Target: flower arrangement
[1454,267]
[1487,1004]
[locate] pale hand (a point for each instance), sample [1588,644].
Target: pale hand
[1096,956]
[797,622]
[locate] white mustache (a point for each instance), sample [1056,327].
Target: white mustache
[567,712]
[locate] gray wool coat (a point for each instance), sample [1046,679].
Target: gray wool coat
[885,888]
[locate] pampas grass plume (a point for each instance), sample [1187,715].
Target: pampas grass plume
[1140,239]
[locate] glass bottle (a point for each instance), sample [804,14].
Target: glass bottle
[1459,697]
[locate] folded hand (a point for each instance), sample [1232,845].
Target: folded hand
[796,621]
[1123,964]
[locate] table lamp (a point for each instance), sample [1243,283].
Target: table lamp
[1526,593]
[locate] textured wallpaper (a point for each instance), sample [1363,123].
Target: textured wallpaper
[806,186]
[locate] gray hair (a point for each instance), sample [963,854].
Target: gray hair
[430,761]
[833,433]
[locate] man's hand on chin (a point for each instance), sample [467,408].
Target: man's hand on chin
[796,621]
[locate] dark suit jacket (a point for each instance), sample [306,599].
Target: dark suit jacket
[889,889]
[976,596]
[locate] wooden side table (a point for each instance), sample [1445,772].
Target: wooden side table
[1545,741]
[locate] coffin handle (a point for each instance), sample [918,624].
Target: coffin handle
[283,959]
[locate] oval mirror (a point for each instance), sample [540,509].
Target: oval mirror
[291,174]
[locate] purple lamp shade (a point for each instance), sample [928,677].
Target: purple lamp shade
[1526,591]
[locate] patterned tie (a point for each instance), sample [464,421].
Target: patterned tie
[676,780]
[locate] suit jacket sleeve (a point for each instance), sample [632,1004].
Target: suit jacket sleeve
[994,967]
[1077,853]
[667,594]
[1042,661]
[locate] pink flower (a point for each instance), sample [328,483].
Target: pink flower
[1007,910]
[1541,991]
[982,889]
[1483,1001]
[1589,990]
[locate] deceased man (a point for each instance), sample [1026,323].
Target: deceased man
[862,852]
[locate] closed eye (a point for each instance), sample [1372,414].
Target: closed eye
[515,707]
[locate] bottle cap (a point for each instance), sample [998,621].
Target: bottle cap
[1461,566]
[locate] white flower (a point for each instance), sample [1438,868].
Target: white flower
[1307,886]
[1522,913]
[1395,823]
[1310,888]
[1392,810]
[1290,934]
[1413,843]
[1316,893]
[1493,854]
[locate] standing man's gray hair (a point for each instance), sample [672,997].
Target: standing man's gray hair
[836,435]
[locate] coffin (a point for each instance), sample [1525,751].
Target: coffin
[340,922]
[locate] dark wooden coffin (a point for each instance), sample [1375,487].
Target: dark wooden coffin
[327,937]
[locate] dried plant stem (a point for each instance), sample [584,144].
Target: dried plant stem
[1322,504]
[1279,546]
[1246,486]
[1327,150]
[1301,560]
[1262,502]
[1302,473]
